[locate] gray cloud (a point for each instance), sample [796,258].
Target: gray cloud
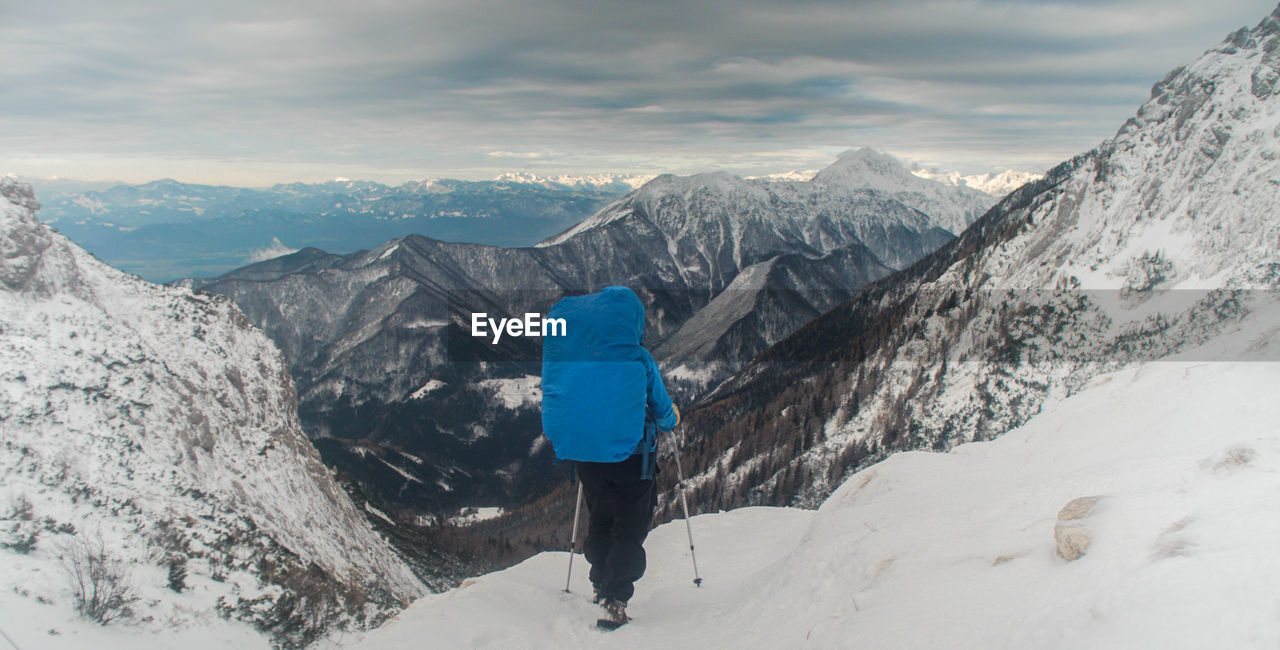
[275,90]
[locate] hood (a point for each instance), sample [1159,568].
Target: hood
[625,306]
[613,318]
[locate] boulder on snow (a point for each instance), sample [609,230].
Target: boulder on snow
[1070,534]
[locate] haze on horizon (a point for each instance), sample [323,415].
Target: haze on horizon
[254,93]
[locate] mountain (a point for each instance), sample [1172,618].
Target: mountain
[793,175]
[996,185]
[398,394]
[613,183]
[159,428]
[1173,485]
[57,187]
[953,207]
[1162,237]
[164,229]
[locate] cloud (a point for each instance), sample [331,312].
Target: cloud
[275,249]
[527,155]
[445,89]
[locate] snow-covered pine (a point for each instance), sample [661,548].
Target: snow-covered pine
[163,424]
[1158,239]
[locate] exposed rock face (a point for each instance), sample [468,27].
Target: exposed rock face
[1071,534]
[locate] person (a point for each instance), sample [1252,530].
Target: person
[603,402]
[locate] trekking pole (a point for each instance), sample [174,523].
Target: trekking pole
[675,448]
[573,539]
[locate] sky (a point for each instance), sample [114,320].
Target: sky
[253,92]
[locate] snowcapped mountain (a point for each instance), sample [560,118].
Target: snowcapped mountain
[793,175]
[162,425]
[619,183]
[399,394]
[863,197]
[953,207]
[1166,476]
[994,184]
[1164,236]
[1099,354]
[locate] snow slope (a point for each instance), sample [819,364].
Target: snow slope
[161,421]
[957,550]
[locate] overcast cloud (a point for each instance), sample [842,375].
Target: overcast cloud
[254,92]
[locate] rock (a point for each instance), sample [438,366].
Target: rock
[1070,534]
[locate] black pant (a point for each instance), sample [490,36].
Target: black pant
[621,508]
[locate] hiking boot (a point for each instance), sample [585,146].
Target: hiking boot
[615,614]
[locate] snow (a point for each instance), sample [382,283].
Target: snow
[378,513]
[468,516]
[858,180]
[398,470]
[431,385]
[599,182]
[993,184]
[694,374]
[956,550]
[514,393]
[798,175]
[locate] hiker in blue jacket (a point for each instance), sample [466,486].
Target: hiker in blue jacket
[603,402]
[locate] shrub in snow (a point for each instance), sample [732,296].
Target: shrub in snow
[178,573]
[1234,458]
[100,582]
[24,532]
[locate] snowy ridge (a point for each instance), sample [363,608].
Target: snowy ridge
[994,184]
[620,183]
[681,205]
[1179,552]
[165,421]
[1156,241]
[953,207]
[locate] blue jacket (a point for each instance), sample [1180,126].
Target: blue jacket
[599,386]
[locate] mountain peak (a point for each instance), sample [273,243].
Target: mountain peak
[866,167]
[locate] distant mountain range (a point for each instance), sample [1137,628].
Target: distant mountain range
[164,230]
[997,185]
[612,183]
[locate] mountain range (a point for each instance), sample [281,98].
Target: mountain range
[1162,237]
[1140,251]
[997,185]
[1095,354]
[164,230]
[398,395]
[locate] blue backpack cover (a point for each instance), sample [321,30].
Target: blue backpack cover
[599,385]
